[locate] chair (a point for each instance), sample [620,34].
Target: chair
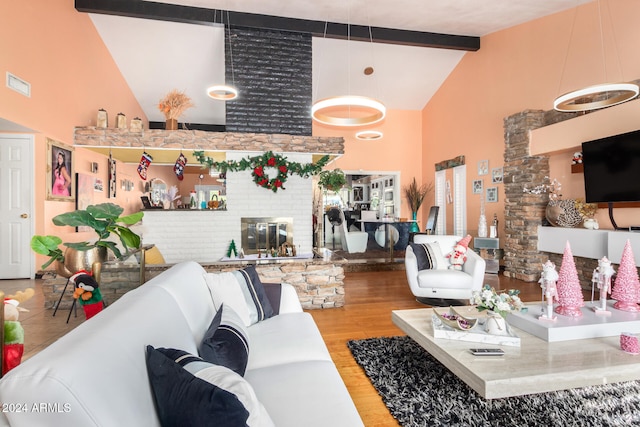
[367,216]
[432,220]
[440,282]
[352,241]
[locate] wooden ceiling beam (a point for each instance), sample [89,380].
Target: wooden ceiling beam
[203,16]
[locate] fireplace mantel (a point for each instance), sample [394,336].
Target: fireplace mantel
[111,138]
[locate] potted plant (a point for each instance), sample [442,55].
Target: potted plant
[415,196]
[332,180]
[104,219]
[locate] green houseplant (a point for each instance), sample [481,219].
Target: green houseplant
[104,219]
[332,180]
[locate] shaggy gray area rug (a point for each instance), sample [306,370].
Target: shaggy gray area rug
[419,391]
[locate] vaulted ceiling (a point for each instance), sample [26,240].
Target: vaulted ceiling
[157,55]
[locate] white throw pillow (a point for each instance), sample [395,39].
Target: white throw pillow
[224,289]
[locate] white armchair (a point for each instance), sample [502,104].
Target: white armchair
[352,241]
[441,282]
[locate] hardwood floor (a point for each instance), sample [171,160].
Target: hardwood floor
[370,298]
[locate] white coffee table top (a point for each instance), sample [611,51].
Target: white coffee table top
[536,366]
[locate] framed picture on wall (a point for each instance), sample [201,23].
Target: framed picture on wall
[60,184]
[84,195]
[112,177]
[492,194]
[483,167]
[477,186]
[496,175]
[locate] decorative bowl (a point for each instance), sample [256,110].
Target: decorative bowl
[455,320]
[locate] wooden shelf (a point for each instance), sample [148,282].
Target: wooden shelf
[577,168]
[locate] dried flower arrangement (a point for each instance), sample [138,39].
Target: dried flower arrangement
[415,194]
[174,104]
[587,210]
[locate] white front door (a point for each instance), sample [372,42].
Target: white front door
[16,206]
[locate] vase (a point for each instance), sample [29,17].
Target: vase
[495,324]
[172,124]
[414,225]
[76,260]
[482,226]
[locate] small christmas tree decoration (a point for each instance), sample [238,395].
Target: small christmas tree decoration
[626,290]
[143,166]
[232,249]
[570,297]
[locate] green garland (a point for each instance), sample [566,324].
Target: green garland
[257,164]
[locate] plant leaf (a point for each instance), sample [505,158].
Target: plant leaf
[105,210]
[131,219]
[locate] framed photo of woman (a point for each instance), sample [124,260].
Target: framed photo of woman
[60,184]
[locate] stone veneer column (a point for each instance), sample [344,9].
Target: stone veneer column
[523,212]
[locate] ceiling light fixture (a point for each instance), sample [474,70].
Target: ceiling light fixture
[225,92]
[348,110]
[596,96]
[369,135]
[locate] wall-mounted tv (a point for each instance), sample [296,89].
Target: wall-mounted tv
[612,168]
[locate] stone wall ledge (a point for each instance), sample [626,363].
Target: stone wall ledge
[319,281]
[92,136]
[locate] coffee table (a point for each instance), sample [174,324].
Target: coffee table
[536,366]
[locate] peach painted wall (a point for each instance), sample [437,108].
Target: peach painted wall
[522,68]
[72,75]
[400,150]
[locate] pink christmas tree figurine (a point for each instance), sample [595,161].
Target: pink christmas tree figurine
[570,297]
[626,288]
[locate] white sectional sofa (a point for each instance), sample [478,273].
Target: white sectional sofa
[97,376]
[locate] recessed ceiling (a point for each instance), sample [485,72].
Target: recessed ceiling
[157,56]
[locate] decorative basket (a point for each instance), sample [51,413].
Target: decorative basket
[455,320]
[563,213]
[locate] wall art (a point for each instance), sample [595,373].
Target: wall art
[496,175]
[60,184]
[483,167]
[492,194]
[477,186]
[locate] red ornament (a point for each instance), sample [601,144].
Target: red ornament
[271,161]
[283,169]
[278,183]
[258,171]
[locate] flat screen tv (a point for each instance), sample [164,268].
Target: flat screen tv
[612,168]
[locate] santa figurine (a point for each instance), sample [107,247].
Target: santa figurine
[458,255]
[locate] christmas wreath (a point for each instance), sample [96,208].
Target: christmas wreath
[258,164]
[269,159]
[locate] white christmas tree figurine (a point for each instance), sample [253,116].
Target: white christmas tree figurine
[626,289]
[570,297]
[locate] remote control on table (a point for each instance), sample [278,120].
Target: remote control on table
[487,352]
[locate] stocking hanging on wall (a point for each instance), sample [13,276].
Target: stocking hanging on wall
[178,168]
[143,166]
